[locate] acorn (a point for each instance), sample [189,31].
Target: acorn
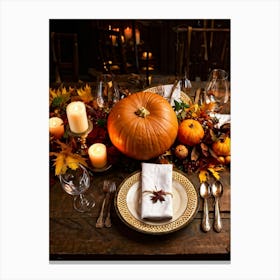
[181,151]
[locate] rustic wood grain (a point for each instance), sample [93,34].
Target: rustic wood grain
[73,235]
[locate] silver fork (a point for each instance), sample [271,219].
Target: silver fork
[108,217]
[106,189]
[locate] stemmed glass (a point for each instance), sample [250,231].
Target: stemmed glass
[100,95]
[107,92]
[185,84]
[217,89]
[77,182]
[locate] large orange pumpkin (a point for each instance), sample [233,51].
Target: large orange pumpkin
[190,132]
[142,125]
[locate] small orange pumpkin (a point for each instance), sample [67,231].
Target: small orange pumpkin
[222,146]
[190,132]
[142,125]
[227,159]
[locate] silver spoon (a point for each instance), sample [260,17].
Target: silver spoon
[217,191]
[205,193]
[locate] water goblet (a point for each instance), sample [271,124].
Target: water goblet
[76,183]
[217,89]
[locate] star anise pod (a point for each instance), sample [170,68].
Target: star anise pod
[158,195]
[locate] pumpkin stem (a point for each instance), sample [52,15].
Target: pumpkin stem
[142,112]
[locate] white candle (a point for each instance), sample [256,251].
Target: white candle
[128,33]
[98,155]
[77,117]
[56,127]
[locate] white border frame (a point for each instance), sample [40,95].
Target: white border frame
[24,134]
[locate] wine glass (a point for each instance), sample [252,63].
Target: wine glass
[217,89]
[107,92]
[185,84]
[77,182]
[100,95]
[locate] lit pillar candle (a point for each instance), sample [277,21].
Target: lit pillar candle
[137,36]
[77,117]
[56,127]
[150,80]
[114,37]
[98,155]
[114,40]
[128,33]
[144,55]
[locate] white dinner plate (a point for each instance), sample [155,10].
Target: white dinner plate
[128,204]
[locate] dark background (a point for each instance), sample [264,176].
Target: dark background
[157,36]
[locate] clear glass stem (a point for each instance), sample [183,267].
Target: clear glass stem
[83,203]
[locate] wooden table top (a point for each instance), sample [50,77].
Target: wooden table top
[73,235]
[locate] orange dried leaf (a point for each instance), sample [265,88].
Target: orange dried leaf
[208,106]
[195,154]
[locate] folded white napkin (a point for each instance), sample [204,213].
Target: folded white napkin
[222,118]
[156,186]
[165,91]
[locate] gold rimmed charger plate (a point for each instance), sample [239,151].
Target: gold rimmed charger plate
[158,89]
[128,204]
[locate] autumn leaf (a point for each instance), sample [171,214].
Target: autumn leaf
[71,162]
[158,195]
[59,164]
[208,107]
[212,153]
[195,108]
[203,176]
[219,168]
[204,149]
[195,154]
[214,173]
[58,97]
[66,159]
[85,93]
[178,106]
[213,135]
[167,153]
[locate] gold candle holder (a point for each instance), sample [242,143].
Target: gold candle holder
[82,137]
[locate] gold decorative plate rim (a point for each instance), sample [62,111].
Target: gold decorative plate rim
[140,225]
[184,96]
